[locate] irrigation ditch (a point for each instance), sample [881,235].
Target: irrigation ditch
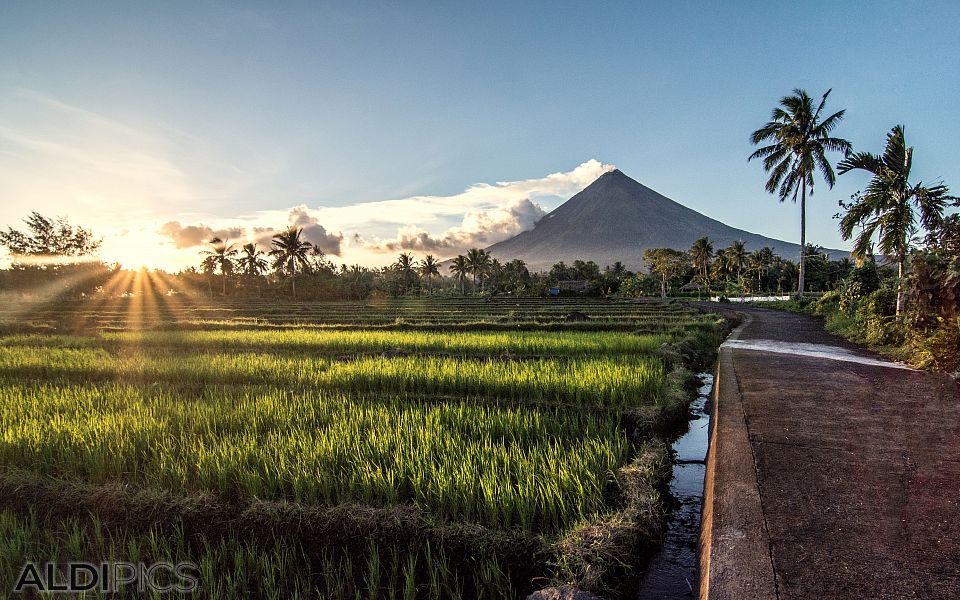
[672,573]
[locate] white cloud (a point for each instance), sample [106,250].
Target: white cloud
[479,229]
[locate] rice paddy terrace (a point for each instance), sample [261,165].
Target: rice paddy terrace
[398,449]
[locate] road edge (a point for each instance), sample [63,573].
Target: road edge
[735,562]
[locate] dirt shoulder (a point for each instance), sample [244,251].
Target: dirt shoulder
[838,479]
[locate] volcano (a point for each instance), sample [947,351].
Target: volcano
[617,218]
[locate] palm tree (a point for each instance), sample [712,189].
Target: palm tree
[721,265]
[887,205]
[460,268]
[252,260]
[290,253]
[617,271]
[700,254]
[737,258]
[406,268]
[799,143]
[760,262]
[429,267]
[220,256]
[478,261]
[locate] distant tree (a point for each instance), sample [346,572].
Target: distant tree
[700,254]
[560,272]
[759,263]
[616,271]
[638,285]
[887,204]
[45,236]
[460,268]
[429,267]
[290,254]
[253,261]
[667,263]
[51,257]
[219,256]
[478,261]
[319,262]
[720,269]
[799,143]
[516,277]
[405,268]
[357,281]
[736,256]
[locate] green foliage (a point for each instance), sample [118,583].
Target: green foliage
[941,349]
[45,236]
[638,285]
[868,276]
[850,294]
[229,568]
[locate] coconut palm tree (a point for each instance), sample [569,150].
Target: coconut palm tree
[720,269]
[459,268]
[291,254]
[799,142]
[616,271]
[253,261]
[737,258]
[886,207]
[405,267]
[220,256]
[429,267]
[760,262]
[478,261]
[700,254]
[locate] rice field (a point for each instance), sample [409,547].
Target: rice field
[441,429]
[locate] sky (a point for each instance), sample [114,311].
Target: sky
[381,126]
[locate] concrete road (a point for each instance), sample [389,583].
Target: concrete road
[832,473]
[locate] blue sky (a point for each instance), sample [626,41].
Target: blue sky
[234,116]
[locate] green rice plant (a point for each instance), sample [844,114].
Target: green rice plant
[504,466]
[631,381]
[314,342]
[229,568]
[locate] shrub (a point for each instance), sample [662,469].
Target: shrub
[866,276]
[941,350]
[882,302]
[850,295]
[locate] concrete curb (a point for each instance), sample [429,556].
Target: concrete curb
[735,558]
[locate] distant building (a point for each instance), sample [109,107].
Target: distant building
[576,286]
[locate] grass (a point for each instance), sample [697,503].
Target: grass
[634,380]
[326,342]
[230,568]
[384,450]
[526,467]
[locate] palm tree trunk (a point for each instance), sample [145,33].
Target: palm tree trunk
[803,236]
[223,281]
[293,285]
[663,286]
[900,269]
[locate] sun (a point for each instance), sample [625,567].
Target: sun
[135,251]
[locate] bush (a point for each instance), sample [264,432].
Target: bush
[866,276]
[883,302]
[850,294]
[941,351]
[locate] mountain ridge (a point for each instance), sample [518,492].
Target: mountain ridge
[617,218]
